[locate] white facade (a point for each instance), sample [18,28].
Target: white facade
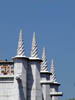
[28,78]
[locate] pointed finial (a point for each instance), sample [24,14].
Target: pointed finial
[20,35]
[34,50]
[53,76]
[20,50]
[44,66]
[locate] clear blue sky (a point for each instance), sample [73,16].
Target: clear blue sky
[54,24]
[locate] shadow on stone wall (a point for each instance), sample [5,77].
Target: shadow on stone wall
[21,90]
[30,82]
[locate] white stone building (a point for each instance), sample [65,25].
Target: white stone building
[28,78]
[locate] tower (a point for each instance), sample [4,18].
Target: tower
[33,75]
[45,77]
[20,71]
[54,86]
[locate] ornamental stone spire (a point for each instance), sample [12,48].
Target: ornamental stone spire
[34,50]
[53,76]
[44,66]
[20,50]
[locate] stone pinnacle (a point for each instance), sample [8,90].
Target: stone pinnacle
[20,50]
[34,50]
[53,76]
[44,66]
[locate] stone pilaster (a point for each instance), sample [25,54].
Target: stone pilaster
[45,85]
[54,86]
[34,91]
[20,71]
[45,76]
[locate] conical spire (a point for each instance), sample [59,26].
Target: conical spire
[34,50]
[53,76]
[44,66]
[20,50]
